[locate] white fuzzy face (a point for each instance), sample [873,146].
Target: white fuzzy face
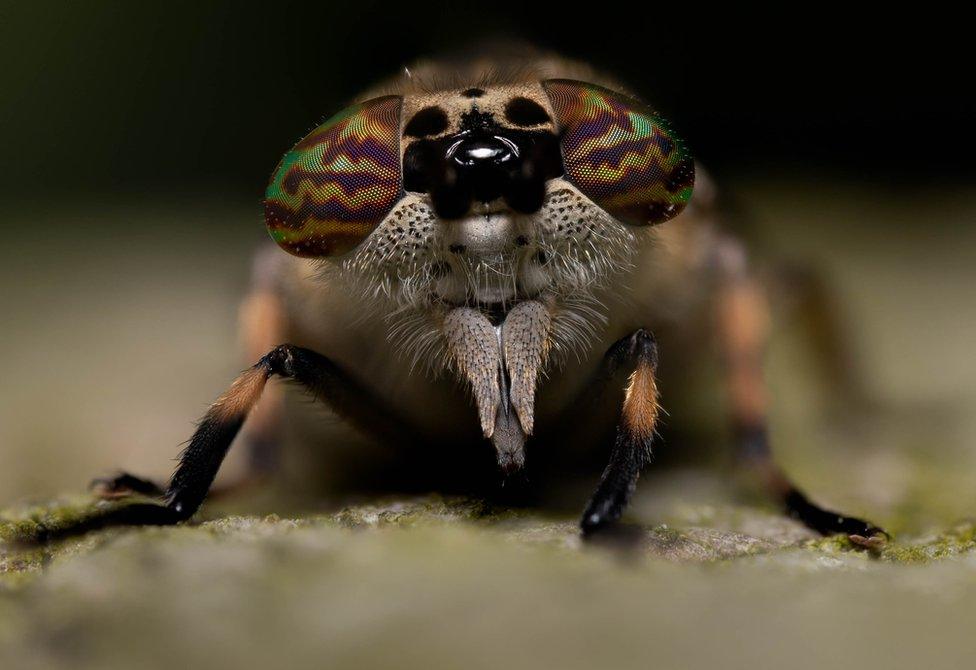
[415,267]
[488,252]
[493,256]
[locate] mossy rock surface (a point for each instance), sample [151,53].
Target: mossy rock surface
[436,582]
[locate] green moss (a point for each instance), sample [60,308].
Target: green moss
[667,534]
[34,536]
[26,548]
[959,540]
[833,544]
[954,542]
[36,523]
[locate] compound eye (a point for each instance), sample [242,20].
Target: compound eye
[338,183]
[620,154]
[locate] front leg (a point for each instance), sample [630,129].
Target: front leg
[635,429]
[202,458]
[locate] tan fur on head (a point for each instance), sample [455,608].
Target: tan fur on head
[491,100]
[495,64]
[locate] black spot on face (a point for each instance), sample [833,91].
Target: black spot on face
[428,121]
[473,92]
[457,248]
[476,120]
[525,112]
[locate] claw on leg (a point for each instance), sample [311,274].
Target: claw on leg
[827,522]
[206,449]
[123,485]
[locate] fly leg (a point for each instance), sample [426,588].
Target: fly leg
[262,322]
[742,316]
[631,451]
[205,452]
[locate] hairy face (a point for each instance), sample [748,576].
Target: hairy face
[488,219]
[493,256]
[480,198]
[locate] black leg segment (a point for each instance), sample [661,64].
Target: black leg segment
[754,453]
[742,324]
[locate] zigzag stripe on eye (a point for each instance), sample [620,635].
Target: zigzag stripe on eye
[606,150]
[357,122]
[337,184]
[340,155]
[620,153]
[630,172]
[349,184]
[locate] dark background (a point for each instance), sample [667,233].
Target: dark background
[98,96]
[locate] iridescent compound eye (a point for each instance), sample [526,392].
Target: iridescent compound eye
[620,154]
[336,185]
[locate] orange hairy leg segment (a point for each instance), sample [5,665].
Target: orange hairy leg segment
[631,450]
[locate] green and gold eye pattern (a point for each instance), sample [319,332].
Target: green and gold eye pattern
[620,153]
[338,183]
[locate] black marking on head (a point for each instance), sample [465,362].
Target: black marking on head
[524,112]
[457,248]
[496,312]
[477,120]
[454,169]
[428,121]
[473,92]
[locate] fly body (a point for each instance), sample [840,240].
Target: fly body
[515,227]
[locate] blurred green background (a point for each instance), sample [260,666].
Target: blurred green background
[136,139]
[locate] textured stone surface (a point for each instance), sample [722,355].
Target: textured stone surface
[433,582]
